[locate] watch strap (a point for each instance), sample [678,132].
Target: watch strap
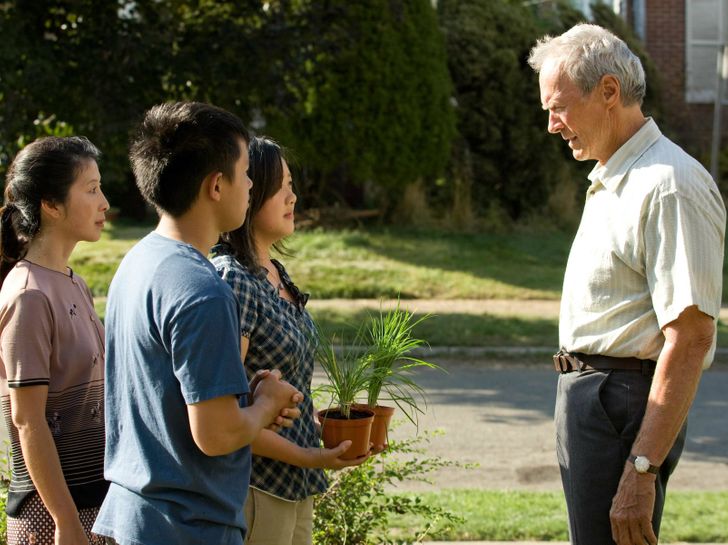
[652,469]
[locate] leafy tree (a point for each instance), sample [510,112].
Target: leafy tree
[77,65]
[360,90]
[514,161]
[369,103]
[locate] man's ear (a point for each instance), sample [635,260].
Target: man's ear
[51,209]
[211,186]
[611,90]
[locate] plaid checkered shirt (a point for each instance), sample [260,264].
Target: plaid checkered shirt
[279,333]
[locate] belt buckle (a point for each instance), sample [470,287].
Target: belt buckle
[562,362]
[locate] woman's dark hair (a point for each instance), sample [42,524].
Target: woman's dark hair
[266,172]
[44,170]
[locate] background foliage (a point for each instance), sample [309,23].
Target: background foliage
[384,102]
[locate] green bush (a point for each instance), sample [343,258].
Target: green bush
[513,161]
[359,505]
[360,90]
[371,109]
[505,157]
[4,484]
[3,515]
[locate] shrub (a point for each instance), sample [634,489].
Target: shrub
[511,158]
[356,509]
[373,110]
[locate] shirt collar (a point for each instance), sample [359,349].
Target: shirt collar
[614,170]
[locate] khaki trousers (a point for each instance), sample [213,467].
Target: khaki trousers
[273,521]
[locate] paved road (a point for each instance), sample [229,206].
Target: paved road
[500,416]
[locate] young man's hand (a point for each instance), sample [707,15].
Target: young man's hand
[287,416]
[279,397]
[285,419]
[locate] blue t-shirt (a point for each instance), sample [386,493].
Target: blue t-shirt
[172,339]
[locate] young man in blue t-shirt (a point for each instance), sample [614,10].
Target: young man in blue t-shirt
[177,424]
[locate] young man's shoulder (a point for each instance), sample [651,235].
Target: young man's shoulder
[160,264]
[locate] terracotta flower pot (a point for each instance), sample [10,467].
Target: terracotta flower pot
[380,426]
[335,429]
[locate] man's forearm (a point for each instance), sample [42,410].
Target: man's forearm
[674,385]
[672,393]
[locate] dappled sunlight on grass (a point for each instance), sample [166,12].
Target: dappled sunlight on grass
[462,329]
[696,517]
[414,264]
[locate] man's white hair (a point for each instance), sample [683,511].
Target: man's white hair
[586,53]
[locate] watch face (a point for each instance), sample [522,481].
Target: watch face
[641,464]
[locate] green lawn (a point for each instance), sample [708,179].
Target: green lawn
[97,262]
[389,262]
[694,517]
[452,329]
[420,265]
[384,263]
[460,329]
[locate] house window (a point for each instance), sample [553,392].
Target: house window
[585,5]
[706,33]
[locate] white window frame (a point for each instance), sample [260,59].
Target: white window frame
[707,94]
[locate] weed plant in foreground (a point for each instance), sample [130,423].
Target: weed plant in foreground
[360,505]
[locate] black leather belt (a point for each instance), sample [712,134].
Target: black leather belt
[566,362]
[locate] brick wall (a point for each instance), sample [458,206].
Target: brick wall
[665,33]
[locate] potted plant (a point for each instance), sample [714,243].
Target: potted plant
[348,376]
[390,341]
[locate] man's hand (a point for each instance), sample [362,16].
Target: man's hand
[286,418]
[279,397]
[632,506]
[287,415]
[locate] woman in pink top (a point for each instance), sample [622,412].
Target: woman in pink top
[51,344]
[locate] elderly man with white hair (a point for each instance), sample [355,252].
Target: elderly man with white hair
[641,295]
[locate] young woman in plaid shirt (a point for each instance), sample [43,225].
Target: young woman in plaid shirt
[276,331]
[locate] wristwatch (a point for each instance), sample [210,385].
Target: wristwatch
[642,464]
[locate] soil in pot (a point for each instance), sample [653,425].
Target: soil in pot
[380,426]
[335,429]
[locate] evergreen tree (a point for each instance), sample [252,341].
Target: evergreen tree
[373,105]
[514,161]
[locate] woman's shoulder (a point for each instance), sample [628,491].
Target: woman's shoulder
[21,291]
[29,282]
[239,277]
[227,266]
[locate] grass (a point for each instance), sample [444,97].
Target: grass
[96,262]
[452,329]
[385,263]
[694,517]
[463,329]
[420,265]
